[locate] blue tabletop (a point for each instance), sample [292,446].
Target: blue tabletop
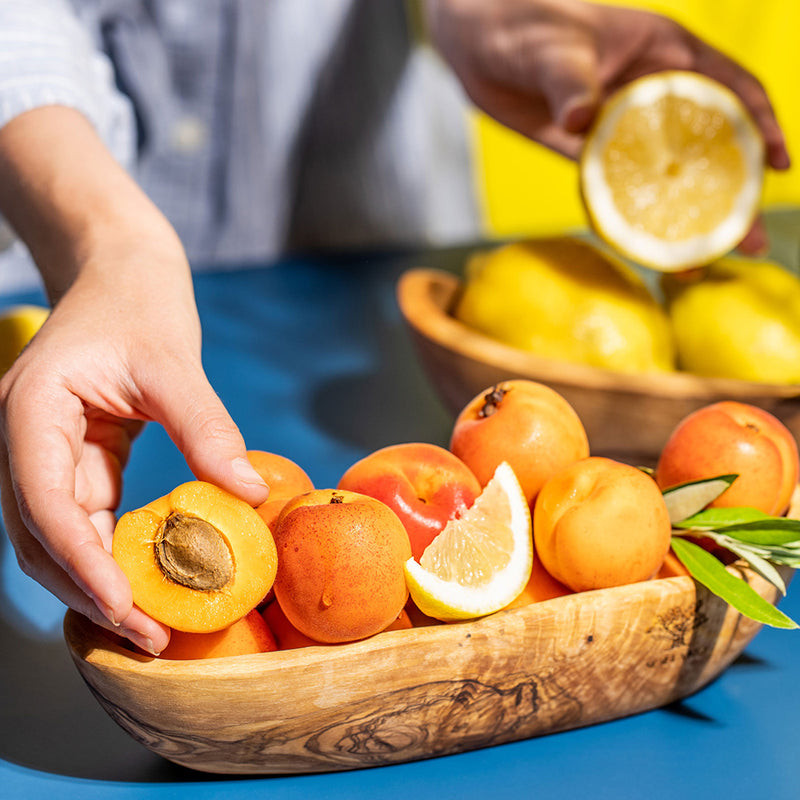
[312,360]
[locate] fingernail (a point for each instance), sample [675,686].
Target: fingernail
[245,472]
[143,642]
[106,611]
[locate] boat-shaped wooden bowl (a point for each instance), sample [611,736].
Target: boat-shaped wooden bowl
[629,416]
[424,692]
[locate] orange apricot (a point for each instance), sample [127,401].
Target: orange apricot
[600,523]
[250,634]
[340,564]
[730,437]
[541,586]
[525,423]
[198,559]
[285,478]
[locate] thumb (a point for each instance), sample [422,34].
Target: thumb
[571,85]
[198,423]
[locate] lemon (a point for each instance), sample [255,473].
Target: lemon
[737,318]
[18,324]
[481,561]
[565,299]
[672,170]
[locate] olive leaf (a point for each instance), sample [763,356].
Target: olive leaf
[759,539]
[712,573]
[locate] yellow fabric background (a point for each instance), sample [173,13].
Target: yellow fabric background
[526,189]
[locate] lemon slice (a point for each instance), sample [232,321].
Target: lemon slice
[481,561]
[672,170]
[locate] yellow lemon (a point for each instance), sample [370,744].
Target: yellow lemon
[565,299]
[672,170]
[737,318]
[18,324]
[482,560]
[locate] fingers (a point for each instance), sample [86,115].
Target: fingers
[198,423]
[756,241]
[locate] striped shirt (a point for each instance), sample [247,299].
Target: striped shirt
[257,126]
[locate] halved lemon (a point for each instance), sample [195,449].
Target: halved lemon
[481,561]
[672,170]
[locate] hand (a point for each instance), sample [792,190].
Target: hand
[122,346]
[544,67]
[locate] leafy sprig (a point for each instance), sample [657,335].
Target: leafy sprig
[762,541]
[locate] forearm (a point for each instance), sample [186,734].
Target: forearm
[77,209]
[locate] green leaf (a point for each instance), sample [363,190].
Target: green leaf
[687,499]
[711,573]
[716,518]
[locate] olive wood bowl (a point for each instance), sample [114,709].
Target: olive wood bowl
[423,692]
[629,416]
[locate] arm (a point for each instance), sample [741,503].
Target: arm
[543,67]
[122,346]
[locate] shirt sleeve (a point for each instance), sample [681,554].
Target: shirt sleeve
[47,58]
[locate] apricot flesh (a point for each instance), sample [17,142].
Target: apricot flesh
[198,559]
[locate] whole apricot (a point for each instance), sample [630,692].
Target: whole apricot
[424,484]
[730,437]
[250,634]
[525,423]
[600,523]
[340,564]
[285,478]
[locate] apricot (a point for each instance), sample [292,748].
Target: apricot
[525,423]
[424,484]
[198,559]
[600,523]
[285,478]
[250,634]
[289,638]
[541,586]
[340,564]
[730,437]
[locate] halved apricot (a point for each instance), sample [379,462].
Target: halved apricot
[198,559]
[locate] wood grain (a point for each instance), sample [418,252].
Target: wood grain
[628,416]
[424,692]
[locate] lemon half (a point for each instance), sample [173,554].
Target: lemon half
[18,325]
[672,170]
[481,561]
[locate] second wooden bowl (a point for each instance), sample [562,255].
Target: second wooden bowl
[628,416]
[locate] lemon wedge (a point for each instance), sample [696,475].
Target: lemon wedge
[18,324]
[672,170]
[481,561]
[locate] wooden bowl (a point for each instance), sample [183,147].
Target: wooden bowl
[414,694]
[628,416]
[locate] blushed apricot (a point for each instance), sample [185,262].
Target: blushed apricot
[541,586]
[250,634]
[600,523]
[198,559]
[340,565]
[730,437]
[285,478]
[525,423]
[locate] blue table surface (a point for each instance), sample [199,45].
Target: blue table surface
[313,361]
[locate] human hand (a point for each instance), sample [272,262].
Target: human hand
[544,67]
[121,347]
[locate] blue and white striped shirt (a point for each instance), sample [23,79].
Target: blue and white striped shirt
[257,126]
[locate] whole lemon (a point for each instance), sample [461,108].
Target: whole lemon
[737,318]
[18,324]
[564,298]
